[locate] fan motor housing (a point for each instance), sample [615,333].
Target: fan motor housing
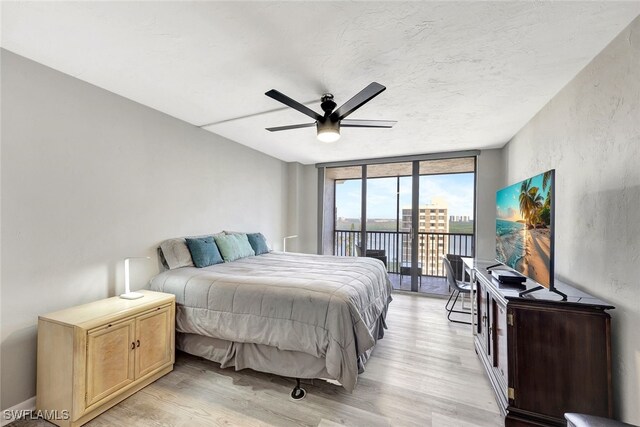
[328,104]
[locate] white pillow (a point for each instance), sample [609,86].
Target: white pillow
[176,253]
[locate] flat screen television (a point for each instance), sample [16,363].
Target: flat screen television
[525,228]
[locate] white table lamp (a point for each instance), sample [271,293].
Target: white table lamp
[284,241]
[127,288]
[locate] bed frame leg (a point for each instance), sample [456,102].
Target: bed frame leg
[298,392]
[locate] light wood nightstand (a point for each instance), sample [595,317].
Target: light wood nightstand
[92,356]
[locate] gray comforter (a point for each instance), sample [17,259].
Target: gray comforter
[325,306]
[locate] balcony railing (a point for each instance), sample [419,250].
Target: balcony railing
[397,246]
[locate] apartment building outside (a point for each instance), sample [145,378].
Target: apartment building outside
[433,224]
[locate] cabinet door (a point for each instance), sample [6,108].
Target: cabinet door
[483,316]
[110,360]
[559,360]
[153,340]
[499,334]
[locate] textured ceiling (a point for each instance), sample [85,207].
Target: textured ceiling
[459,76]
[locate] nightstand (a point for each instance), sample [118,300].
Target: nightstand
[92,356]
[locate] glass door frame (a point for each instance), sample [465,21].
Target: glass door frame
[415,225]
[415,202]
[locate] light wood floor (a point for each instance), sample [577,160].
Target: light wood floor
[423,373]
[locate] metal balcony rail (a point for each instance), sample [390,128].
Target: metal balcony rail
[397,246]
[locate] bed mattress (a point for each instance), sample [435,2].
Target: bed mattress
[330,308]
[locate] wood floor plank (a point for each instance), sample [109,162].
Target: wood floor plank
[423,373]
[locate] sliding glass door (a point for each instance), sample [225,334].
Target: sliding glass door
[388,188]
[348,217]
[406,214]
[446,222]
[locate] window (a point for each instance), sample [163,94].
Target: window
[384,219]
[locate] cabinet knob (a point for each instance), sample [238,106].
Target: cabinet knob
[138,343]
[133,346]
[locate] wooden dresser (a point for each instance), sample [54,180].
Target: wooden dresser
[92,356]
[543,356]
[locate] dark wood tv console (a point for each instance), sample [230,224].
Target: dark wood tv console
[543,356]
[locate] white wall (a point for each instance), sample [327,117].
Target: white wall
[302,208]
[309,211]
[489,178]
[89,178]
[590,133]
[294,199]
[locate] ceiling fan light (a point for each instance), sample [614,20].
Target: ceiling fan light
[329,136]
[328,132]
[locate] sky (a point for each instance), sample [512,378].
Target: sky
[508,199]
[455,189]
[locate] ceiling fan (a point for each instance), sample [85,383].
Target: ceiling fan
[328,125]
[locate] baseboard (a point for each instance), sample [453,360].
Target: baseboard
[7,417]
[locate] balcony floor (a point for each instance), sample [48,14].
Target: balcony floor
[430,285]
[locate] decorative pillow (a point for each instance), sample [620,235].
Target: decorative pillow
[204,251]
[234,246]
[269,247]
[176,253]
[258,243]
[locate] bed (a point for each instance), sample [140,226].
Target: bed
[294,315]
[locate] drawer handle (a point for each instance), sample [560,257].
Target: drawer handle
[138,342]
[133,346]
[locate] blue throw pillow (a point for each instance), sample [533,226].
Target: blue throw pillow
[258,243]
[204,251]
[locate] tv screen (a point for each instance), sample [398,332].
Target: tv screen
[524,227]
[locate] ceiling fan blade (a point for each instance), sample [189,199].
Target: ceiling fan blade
[279,128]
[361,98]
[281,97]
[349,123]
